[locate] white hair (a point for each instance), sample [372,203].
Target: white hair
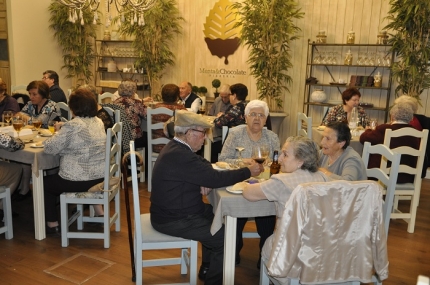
[413,102]
[256,104]
[225,88]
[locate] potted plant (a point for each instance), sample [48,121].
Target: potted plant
[203,90]
[267,30]
[410,19]
[216,84]
[152,41]
[75,41]
[195,89]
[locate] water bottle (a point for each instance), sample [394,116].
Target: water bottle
[353,121]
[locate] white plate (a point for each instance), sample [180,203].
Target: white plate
[36,146]
[230,189]
[46,135]
[218,168]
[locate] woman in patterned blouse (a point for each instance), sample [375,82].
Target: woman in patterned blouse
[342,112]
[81,144]
[135,111]
[40,105]
[235,114]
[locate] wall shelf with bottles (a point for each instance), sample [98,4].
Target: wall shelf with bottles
[333,67]
[116,61]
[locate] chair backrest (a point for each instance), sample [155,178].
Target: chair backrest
[150,127]
[15,88]
[226,129]
[64,108]
[136,202]
[104,96]
[403,148]
[113,153]
[22,99]
[346,216]
[303,119]
[389,180]
[115,114]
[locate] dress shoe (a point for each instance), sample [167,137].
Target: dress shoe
[21,197]
[53,231]
[259,263]
[237,261]
[203,270]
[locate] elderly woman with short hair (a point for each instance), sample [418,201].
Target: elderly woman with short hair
[247,136]
[401,114]
[338,160]
[413,102]
[134,109]
[299,164]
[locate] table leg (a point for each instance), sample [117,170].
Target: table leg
[229,249]
[39,206]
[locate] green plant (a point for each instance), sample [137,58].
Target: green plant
[216,83]
[195,89]
[152,41]
[411,44]
[75,41]
[203,90]
[267,30]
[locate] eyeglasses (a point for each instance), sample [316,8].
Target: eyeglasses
[44,78]
[231,94]
[203,132]
[258,115]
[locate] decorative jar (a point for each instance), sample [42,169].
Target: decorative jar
[321,37]
[377,80]
[350,39]
[111,66]
[382,38]
[106,36]
[318,96]
[348,58]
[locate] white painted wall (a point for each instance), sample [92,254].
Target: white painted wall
[32,46]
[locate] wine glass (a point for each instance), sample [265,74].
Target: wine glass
[239,158]
[37,123]
[260,153]
[17,123]
[7,116]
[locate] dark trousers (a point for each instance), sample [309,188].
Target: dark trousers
[197,227]
[265,228]
[54,185]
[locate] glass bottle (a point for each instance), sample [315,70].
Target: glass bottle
[348,58]
[275,166]
[350,38]
[353,120]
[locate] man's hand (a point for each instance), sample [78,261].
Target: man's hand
[205,190]
[255,168]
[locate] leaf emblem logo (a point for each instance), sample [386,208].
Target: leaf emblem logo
[221,37]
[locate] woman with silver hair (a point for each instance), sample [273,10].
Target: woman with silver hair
[401,114]
[247,136]
[413,102]
[135,111]
[299,164]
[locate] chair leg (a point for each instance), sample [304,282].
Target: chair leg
[118,213]
[413,212]
[64,221]
[80,209]
[193,262]
[142,167]
[106,223]
[149,169]
[264,277]
[138,263]
[184,262]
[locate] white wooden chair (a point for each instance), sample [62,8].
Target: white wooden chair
[64,107]
[108,191]
[408,191]
[7,227]
[387,180]
[115,114]
[302,119]
[146,238]
[104,96]
[152,156]
[361,203]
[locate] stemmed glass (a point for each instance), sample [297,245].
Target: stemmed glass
[260,153]
[239,158]
[37,123]
[7,116]
[17,123]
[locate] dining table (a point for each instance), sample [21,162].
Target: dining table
[35,156]
[317,135]
[227,208]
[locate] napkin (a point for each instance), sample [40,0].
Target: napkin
[23,132]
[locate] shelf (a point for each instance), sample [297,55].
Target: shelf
[344,65]
[350,45]
[117,56]
[332,104]
[114,41]
[117,72]
[347,86]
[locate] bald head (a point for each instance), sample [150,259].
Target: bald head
[184,89]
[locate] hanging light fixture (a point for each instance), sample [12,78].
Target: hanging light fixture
[136,8]
[79,5]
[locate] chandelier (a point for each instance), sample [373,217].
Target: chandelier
[135,7]
[79,5]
